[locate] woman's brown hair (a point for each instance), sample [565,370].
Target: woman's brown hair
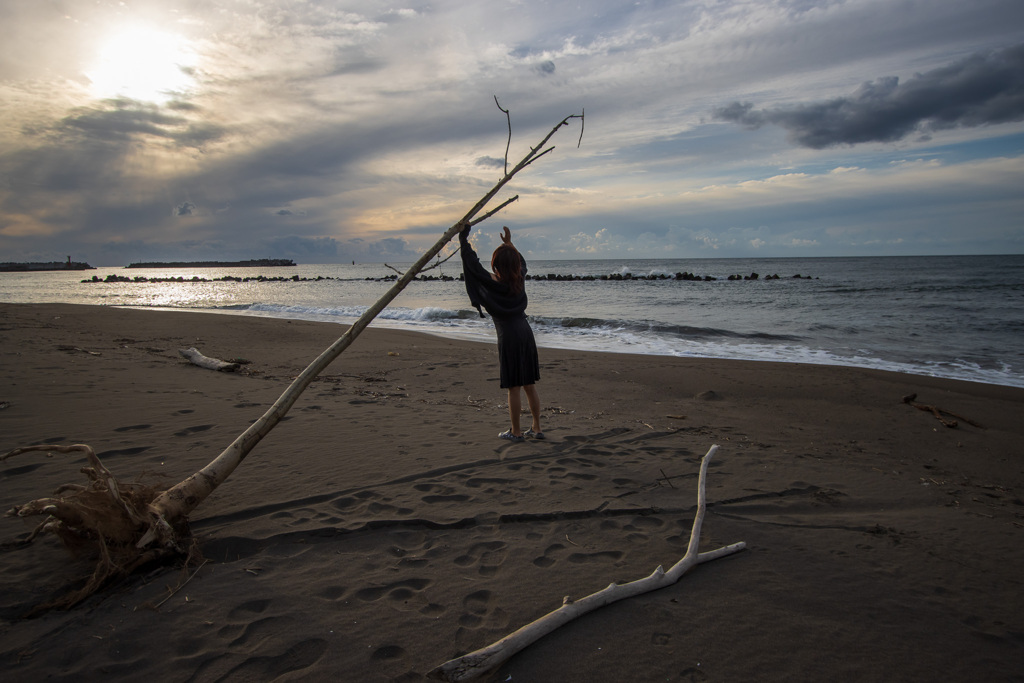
[506,264]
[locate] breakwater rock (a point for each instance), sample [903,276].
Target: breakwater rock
[195,278]
[550,277]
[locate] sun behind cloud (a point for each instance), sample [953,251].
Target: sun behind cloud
[142,63]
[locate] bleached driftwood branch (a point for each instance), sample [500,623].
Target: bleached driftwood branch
[130,525]
[196,358]
[178,501]
[486,659]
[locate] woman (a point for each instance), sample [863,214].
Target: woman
[503,293]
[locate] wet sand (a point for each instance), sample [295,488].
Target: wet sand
[382,528]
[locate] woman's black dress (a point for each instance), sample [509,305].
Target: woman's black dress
[517,350]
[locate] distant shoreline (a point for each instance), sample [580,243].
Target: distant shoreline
[10,267]
[255,263]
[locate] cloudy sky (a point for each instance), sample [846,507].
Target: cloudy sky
[328,131]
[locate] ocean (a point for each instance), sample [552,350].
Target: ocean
[959,317]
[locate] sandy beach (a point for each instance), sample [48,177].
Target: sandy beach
[382,528]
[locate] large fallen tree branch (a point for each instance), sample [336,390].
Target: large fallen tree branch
[486,659]
[128,525]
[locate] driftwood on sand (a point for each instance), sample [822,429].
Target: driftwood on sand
[196,358]
[947,418]
[481,661]
[129,525]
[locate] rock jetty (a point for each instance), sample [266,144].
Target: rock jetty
[551,277]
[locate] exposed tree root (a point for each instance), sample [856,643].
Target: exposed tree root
[104,518]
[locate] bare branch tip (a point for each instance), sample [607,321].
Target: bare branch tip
[508,144]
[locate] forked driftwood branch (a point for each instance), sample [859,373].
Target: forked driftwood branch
[129,525]
[481,661]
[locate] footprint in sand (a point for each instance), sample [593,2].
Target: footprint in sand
[370,503]
[693,675]
[252,606]
[591,450]
[333,592]
[440,494]
[376,509]
[604,556]
[530,467]
[491,483]
[404,596]
[130,428]
[546,560]
[192,430]
[263,667]
[123,451]
[479,612]
[250,631]
[387,652]
[488,556]
[645,523]
[399,592]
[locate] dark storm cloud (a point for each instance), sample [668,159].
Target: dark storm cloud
[981,89]
[121,120]
[545,68]
[88,148]
[185,209]
[490,162]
